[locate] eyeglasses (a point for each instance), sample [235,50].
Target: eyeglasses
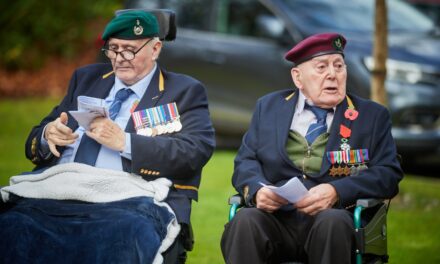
[125,54]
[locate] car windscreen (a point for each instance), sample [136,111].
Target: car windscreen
[356,15]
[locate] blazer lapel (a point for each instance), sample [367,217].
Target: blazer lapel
[284,116]
[334,140]
[101,87]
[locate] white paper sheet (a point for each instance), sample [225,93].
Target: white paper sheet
[293,190]
[89,108]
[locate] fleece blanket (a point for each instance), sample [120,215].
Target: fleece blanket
[78,213]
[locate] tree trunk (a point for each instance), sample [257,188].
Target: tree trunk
[380,54]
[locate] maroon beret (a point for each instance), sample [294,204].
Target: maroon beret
[316,45]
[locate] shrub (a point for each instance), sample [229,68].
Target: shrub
[33,30]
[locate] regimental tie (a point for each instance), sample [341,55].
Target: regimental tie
[88,149]
[320,126]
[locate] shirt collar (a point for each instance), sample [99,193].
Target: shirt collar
[302,101]
[138,88]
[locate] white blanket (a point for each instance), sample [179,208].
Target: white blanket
[76,181]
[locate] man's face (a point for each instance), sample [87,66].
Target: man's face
[322,79]
[131,71]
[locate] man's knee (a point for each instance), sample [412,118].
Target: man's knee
[334,220]
[245,222]
[248,217]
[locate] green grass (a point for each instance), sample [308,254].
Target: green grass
[413,219]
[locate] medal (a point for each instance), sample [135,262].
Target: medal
[178,126]
[340,171]
[345,146]
[354,171]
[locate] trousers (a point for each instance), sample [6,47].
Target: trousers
[255,236]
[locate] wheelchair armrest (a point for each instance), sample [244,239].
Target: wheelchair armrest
[368,203]
[236,201]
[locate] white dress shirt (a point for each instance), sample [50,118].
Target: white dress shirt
[304,117]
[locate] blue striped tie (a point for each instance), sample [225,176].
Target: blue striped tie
[120,97]
[88,149]
[320,126]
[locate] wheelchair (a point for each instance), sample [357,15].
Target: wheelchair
[371,233]
[184,242]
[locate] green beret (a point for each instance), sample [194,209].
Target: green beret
[133,24]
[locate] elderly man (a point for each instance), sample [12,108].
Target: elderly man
[340,147]
[158,123]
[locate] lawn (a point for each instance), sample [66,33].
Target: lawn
[413,219]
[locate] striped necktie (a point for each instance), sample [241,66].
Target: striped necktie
[120,97]
[88,148]
[320,126]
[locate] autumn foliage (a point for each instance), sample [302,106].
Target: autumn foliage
[44,41]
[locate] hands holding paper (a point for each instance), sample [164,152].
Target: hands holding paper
[101,129]
[270,198]
[107,133]
[320,197]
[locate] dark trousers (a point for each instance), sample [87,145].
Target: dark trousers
[254,236]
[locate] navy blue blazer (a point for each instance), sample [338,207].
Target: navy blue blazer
[262,156]
[178,156]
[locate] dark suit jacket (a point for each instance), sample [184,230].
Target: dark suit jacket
[262,156]
[179,156]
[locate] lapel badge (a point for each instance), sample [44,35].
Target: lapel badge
[138,29]
[351,114]
[344,131]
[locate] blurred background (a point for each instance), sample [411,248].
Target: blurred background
[236,48]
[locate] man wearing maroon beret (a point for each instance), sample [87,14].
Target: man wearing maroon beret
[337,144]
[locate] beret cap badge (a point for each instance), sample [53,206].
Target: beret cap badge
[337,43]
[132,24]
[138,29]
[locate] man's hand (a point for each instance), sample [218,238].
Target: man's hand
[107,133]
[58,134]
[269,201]
[319,198]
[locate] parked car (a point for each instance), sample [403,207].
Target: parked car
[430,7]
[236,48]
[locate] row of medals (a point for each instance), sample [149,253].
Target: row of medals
[169,127]
[342,170]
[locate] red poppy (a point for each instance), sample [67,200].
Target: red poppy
[351,114]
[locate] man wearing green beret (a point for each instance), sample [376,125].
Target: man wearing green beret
[157,126]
